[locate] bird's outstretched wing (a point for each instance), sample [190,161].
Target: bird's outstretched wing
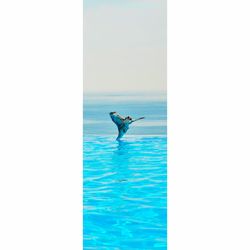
[120,123]
[117,119]
[137,119]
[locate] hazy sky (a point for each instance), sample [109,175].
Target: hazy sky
[124,45]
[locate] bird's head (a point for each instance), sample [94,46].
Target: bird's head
[128,118]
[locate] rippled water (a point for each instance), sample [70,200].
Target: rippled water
[125,188]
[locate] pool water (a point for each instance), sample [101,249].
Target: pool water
[125,182]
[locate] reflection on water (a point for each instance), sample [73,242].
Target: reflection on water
[121,155]
[122,148]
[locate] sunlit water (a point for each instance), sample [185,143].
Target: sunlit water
[125,182]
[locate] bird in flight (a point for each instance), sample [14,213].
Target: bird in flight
[122,123]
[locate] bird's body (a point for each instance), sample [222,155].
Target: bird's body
[122,123]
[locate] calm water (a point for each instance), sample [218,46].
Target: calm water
[125,186]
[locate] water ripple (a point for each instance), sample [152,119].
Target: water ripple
[125,193]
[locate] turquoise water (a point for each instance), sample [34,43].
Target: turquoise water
[125,182]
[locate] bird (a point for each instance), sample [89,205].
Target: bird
[122,123]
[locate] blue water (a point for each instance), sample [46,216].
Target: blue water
[125,182]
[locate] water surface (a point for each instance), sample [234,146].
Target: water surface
[125,186]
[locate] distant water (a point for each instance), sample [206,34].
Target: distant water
[125,183]
[152,106]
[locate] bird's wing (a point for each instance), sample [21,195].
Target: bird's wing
[117,119]
[137,119]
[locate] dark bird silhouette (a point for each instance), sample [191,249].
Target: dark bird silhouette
[122,123]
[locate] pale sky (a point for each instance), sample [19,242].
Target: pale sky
[124,45]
